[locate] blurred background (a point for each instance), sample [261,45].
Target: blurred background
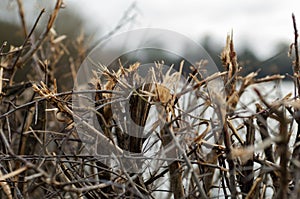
[262,30]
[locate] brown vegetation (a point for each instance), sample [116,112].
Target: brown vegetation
[41,151]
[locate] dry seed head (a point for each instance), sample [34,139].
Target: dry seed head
[233,99]
[162,94]
[243,154]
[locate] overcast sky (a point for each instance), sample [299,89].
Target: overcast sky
[256,23]
[260,24]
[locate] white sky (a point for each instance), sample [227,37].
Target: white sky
[261,24]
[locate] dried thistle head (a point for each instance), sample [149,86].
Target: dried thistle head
[229,61]
[243,153]
[229,57]
[162,94]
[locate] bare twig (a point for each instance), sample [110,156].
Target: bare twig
[22,16]
[296,66]
[282,147]
[19,53]
[24,59]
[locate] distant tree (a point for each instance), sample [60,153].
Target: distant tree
[249,61]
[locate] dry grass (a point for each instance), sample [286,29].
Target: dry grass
[42,155]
